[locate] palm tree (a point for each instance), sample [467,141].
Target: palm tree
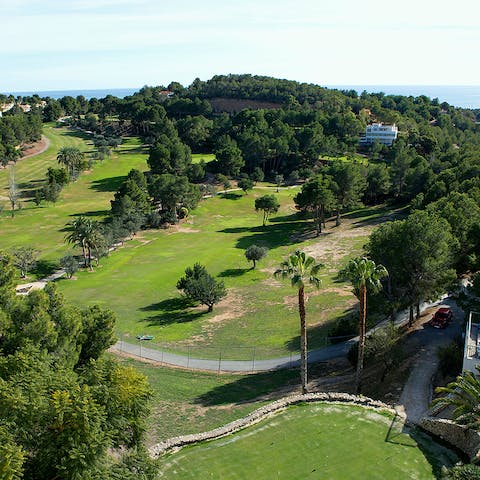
[364,275]
[301,269]
[85,233]
[71,157]
[464,396]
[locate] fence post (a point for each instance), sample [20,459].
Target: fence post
[163,348]
[219,361]
[188,357]
[291,361]
[140,348]
[253,359]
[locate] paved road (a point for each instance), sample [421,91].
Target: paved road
[417,392]
[322,354]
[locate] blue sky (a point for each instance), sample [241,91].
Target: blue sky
[80,44]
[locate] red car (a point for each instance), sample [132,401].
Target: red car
[443,316]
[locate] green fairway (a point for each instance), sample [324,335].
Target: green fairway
[139,281]
[43,227]
[258,319]
[321,441]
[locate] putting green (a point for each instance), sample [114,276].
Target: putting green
[314,441]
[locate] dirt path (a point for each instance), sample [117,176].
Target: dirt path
[417,392]
[37,148]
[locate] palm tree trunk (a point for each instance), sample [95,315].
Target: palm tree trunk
[417,316]
[303,339]
[361,339]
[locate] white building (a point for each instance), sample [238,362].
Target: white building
[385,134]
[471,353]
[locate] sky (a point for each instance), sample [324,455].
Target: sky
[94,44]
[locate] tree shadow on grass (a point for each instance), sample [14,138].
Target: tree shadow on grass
[234,272]
[232,196]
[111,184]
[249,387]
[44,268]
[91,213]
[271,236]
[172,310]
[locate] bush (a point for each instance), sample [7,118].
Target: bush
[70,264]
[461,472]
[346,327]
[451,358]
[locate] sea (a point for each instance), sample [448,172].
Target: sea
[465,96]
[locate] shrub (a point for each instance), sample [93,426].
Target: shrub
[461,472]
[451,357]
[345,327]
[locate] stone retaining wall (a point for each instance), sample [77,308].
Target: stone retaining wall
[468,441]
[261,413]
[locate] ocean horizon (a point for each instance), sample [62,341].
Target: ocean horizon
[465,96]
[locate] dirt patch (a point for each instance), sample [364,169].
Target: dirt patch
[31,149]
[181,229]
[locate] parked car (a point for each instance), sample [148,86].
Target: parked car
[442,317]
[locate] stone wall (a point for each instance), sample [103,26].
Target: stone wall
[261,413]
[466,440]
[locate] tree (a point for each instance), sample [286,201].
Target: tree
[97,333]
[278,181]
[254,253]
[417,252]
[86,234]
[364,275]
[268,204]
[245,184]
[198,285]
[317,196]
[350,185]
[464,396]
[70,264]
[257,175]
[24,258]
[173,192]
[13,193]
[229,159]
[301,269]
[72,158]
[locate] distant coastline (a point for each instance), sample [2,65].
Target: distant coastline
[87,93]
[465,96]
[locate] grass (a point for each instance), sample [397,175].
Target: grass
[314,441]
[44,227]
[193,402]
[138,281]
[206,157]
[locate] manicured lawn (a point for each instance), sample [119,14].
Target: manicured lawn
[355,158]
[334,442]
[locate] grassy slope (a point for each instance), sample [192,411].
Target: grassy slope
[193,402]
[313,441]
